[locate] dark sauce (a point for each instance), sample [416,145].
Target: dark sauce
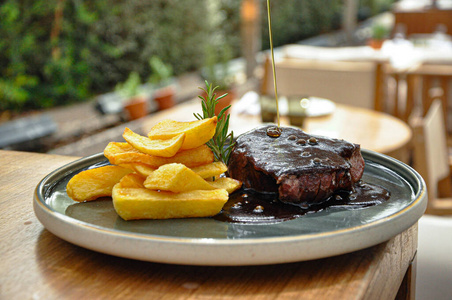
[247,206]
[274,132]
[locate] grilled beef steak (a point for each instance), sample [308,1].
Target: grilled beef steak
[303,169]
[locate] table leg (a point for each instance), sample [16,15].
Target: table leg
[407,290]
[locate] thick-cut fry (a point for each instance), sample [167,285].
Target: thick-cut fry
[95,183]
[197,132]
[123,153]
[229,184]
[139,203]
[143,169]
[132,180]
[127,166]
[176,178]
[163,148]
[208,171]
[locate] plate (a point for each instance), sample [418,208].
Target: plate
[205,241]
[320,107]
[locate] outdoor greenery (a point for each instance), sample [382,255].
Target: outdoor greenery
[54,52]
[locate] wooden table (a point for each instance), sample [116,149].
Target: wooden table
[373,130]
[35,264]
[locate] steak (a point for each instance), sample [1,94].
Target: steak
[302,169]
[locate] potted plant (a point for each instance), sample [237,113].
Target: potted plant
[135,104]
[161,79]
[217,72]
[379,34]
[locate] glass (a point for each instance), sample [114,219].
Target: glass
[298,107]
[268,109]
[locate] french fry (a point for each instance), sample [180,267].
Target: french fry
[123,153]
[127,166]
[132,180]
[162,148]
[197,133]
[143,169]
[95,183]
[229,184]
[208,171]
[176,178]
[140,203]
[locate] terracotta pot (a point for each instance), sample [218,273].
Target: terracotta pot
[375,44]
[164,98]
[224,101]
[136,107]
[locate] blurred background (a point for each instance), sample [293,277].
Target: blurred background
[60,53]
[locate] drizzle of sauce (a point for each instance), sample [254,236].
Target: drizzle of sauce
[276,131]
[249,207]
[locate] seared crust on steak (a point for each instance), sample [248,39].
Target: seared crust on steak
[303,169]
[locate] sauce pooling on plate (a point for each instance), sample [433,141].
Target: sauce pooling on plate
[249,207]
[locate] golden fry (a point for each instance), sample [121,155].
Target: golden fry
[197,133]
[139,203]
[208,171]
[229,184]
[132,180]
[163,148]
[95,183]
[123,153]
[176,178]
[143,169]
[127,166]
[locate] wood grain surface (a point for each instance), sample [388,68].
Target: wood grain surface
[35,264]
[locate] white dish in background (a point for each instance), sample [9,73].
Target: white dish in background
[320,107]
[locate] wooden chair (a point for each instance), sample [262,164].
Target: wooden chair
[431,158]
[436,84]
[395,91]
[346,82]
[401,93]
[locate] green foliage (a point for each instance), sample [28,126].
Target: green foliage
[380,31]
[161,72]
[295,20]
[222,43]
[43,64]
[131,87]
[98,44]
[217,71]
[173,30]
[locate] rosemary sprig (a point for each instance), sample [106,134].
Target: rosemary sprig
[222,142]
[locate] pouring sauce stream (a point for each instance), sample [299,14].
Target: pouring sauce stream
[273,132]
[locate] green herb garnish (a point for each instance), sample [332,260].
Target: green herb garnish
[222,142]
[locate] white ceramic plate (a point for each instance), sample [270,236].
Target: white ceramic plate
[205,241]
[320,107]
